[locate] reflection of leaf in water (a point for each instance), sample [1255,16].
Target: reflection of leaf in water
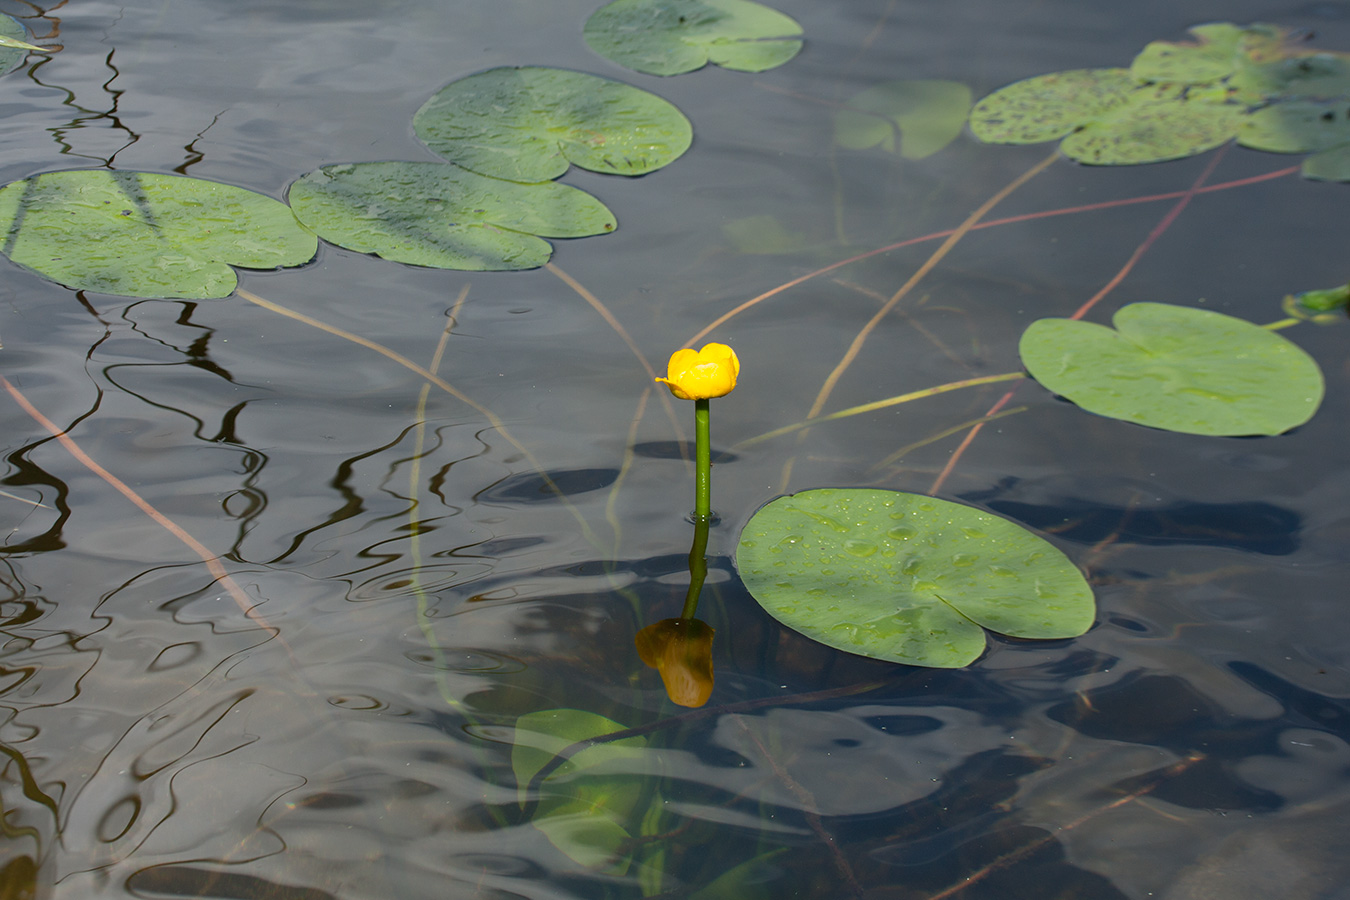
[1195,371]
[668,37]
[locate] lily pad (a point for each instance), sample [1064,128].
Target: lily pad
[914,118]
[529,124]
[1190,370]
[14,49]
[1051,106]
[1329,165]
[439,215]
[584,816]
[906,577]
[1153,129]
[139,234]
[1298,126]
[1220,50]
[669,37]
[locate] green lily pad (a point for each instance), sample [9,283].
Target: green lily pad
[1220,50]
[529,124]
[906,577]
[1179,369]
[439,215]
[914,118]
[13,48]
[1049,107]
[583,816]
[669,37]
[1329,165]
[1299,126]
[138,234]
[1151,129]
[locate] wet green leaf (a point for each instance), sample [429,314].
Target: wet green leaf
[540,736]
[1153,129]
[439,215]
[668,37]
[1049,106]
[1329,165]
[914,118]
[1298,126]
[1176,368]
[529,124]
[13,48]
[906,577]
[144,235]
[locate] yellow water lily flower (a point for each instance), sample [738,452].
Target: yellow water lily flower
[681,650]
[711,372]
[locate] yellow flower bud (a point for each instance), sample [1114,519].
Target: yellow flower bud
[681,650]
[711,372]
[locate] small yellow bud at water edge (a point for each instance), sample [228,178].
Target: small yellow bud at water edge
[711,372]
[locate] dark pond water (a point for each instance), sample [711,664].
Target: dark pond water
[158,743]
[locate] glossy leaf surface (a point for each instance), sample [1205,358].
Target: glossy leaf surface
[530,124]
[1190,370]
[146,235]
[906,577]
[669,37]
[439,215]
[913,118]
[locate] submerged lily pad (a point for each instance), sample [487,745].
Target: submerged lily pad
[528,124]
[914,118]
[145,235]
[439,215]
[1190,370]
[584,816]
[906,577]
[669,37]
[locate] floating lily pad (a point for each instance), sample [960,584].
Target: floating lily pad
[529,124]
[1329,165]
[145,235]
[668,37]
[906,577]
[1297,127]
[1051,106]
[1151,129]
[1220,50]
[584,816]
[1179,369]
[14,48]
[439,215]
[913,118]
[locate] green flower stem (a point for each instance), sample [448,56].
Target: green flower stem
[698,559]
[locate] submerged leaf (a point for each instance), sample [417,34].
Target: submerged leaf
[914,118]
[669,37]
[1189,370]
[905,577]
[439,215]
[1049,106]
[138,234]
[529,124]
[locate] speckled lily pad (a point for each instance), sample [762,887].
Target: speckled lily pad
[668,37]
[906,577]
